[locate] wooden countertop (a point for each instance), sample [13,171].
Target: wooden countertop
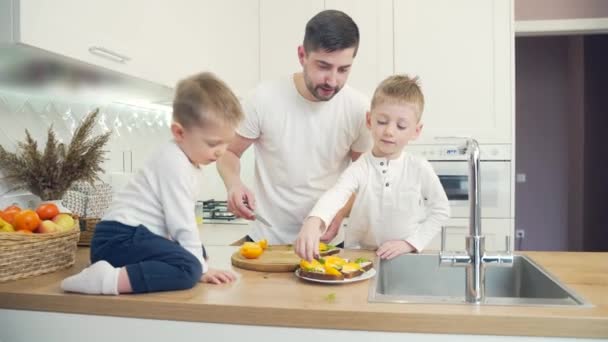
[280,299]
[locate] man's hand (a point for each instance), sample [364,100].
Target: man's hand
[241,202]
[307,244]
[336,223]
[229,166]
[334,227]
[214,276]
[393,248]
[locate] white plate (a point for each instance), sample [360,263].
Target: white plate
[369,274]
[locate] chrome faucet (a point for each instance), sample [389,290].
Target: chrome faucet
[475,258]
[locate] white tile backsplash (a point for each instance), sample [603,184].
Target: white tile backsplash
[136,133]
[137,130]
[213,186]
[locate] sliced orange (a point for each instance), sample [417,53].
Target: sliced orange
[350,267]
[251,250]
[334,260]
[313,265]
[305,265]
[331,270]
[263,243]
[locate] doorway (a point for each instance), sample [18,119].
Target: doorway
[561,159]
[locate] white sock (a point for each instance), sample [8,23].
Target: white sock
[99,278]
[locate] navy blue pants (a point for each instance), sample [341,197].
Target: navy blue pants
[153,262]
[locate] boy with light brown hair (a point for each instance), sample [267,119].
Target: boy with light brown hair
[400,204]
[148,240]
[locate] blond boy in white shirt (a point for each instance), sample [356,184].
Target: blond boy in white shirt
[400,204]
[148,240]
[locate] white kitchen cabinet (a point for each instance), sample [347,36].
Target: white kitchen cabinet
[160,41]
[58,326]
[282,24]
[494,230]
[101,33]
[463,52]
[217,36]
[374,60]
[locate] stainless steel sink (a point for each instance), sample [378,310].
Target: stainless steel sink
[417,278]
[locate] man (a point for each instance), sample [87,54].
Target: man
[306,129]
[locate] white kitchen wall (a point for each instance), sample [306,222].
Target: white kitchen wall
[136,133]
[246,43]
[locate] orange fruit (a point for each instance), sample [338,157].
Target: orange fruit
[9,213]
[251,250]
[263,243]
[27,220]
[331,270]
[333,260]
[350,267]
[25,232]
[311,266]
[47,211]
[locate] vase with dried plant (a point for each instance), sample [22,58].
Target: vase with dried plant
[49,174]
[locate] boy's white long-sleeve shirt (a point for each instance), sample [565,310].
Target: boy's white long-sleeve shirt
[400,199]
[161,196]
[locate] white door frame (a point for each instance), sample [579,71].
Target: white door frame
[561,27]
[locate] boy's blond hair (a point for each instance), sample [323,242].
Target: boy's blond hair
[204,98]
[400,89]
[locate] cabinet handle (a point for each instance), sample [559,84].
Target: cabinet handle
[127,161]
[109,54]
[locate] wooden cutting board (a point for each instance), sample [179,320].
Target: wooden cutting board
[276,258]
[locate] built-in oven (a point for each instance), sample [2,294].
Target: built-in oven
[452,170]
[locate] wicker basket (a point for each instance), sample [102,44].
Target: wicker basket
[88,224]
[28,255]
[87,229]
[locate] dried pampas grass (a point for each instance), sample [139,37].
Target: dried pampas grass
[50,174]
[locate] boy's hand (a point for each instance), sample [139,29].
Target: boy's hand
[307,244]
[393,248]
[241,201]
[214,276]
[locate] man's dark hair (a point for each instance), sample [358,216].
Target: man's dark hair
[330,31]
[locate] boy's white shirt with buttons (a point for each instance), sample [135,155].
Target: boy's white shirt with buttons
[161,196]
[399,199]
[302,149]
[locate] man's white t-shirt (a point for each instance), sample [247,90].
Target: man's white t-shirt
[302,148]
[400,199]
[161,196]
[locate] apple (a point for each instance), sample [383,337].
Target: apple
[65,221]
[48,226]
[6,227]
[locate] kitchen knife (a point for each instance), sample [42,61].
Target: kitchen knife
[258,216]
[261,219]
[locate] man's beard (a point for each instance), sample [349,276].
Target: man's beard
[316,90]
